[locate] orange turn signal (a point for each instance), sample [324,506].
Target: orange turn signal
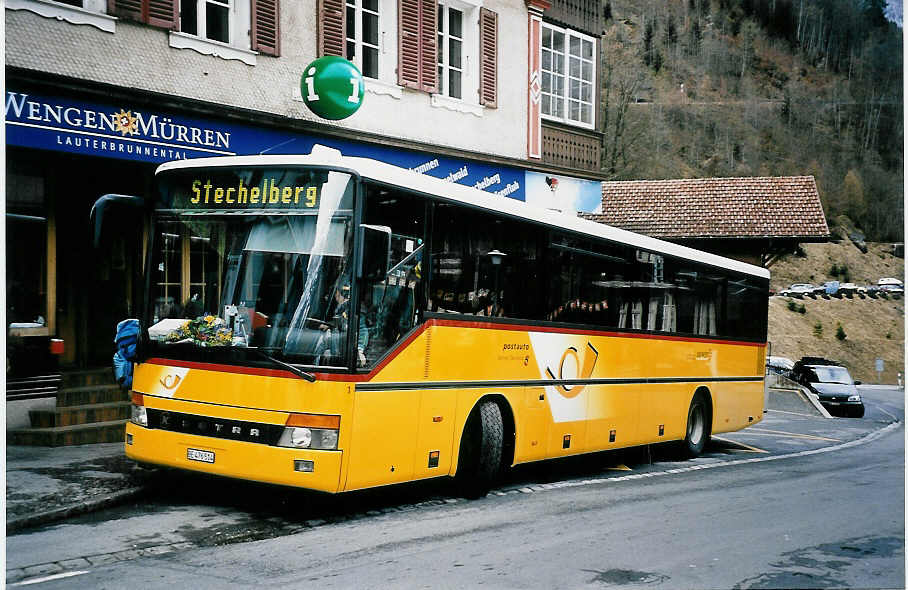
[314,421]
[138,399]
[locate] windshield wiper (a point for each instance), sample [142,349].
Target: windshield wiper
[295,370]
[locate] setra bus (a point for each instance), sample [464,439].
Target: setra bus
[338,323]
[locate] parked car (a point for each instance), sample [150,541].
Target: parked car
[779,365]
[848,289]
[891,286]
[832,384]
[798,290]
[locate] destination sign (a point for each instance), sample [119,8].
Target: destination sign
[248,188]
[214,194]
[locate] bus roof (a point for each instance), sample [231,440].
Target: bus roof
[404,178]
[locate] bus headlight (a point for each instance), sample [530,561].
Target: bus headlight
[300,437]
[308,438]
[138,414]
[310,431]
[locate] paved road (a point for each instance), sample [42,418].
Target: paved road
[795,502]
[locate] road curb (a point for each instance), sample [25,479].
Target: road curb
[57,514]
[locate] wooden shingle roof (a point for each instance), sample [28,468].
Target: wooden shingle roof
[756,207]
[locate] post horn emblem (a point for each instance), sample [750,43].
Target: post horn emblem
[591,355]
[171,381]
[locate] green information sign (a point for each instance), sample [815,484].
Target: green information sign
[332,87]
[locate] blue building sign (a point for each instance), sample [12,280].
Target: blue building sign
[124,132]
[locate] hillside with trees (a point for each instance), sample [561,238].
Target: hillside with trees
[714,88]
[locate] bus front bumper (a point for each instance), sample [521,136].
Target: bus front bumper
[241,460]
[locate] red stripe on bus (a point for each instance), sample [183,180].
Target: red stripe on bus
[361,377]
[220,367]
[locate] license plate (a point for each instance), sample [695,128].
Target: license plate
[197,455]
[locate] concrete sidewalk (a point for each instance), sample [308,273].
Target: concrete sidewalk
[47,484]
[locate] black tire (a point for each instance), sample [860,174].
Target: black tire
[698,427]
[479,461]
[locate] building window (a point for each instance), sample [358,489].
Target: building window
[26,234]
[362,35]
[568,76]
[236,28]
[77,12]
[207,19]
[450,51]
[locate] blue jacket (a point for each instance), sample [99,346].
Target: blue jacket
[126,339]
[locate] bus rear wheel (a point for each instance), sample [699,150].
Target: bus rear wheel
[479,461]
[698,427]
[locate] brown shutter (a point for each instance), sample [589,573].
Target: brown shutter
[163,13]
[157,13]
[266,18]
[332,27]
[488,58]
[126,9]
[408,43]
[417,58]
[428,56]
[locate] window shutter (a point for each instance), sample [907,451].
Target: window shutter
[428,56]
[126,9]
[157,13]
[163,13]
[332,27]
[488,58]
[266,17]
[417,58]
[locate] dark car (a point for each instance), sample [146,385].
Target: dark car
[833,386]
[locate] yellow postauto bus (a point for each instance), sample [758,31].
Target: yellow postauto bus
[337,323]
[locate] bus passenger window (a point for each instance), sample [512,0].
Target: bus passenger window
[389,306]
[482,265]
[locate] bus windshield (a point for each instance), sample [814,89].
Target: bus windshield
[252,258]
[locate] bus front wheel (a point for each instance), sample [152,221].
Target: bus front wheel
[698,427]
[479,461]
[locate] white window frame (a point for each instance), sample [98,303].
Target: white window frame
[357,38]
[444,37]
[239,23]
[93,12]
[469,52]
[565,97]
[201,21]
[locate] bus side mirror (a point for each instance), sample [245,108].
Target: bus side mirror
[375,245]
[110,205]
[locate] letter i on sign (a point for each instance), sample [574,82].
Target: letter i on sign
[310,85]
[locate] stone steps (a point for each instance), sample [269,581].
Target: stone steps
[90,408]
[91,394]
[58,436]
[75,415]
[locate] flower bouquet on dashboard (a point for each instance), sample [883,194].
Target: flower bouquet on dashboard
[206,330]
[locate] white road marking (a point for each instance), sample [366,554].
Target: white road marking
[789,434]
[608,480]
[887,413]
[747,448]
[49,578]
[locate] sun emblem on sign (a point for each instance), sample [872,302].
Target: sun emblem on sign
[125,123]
